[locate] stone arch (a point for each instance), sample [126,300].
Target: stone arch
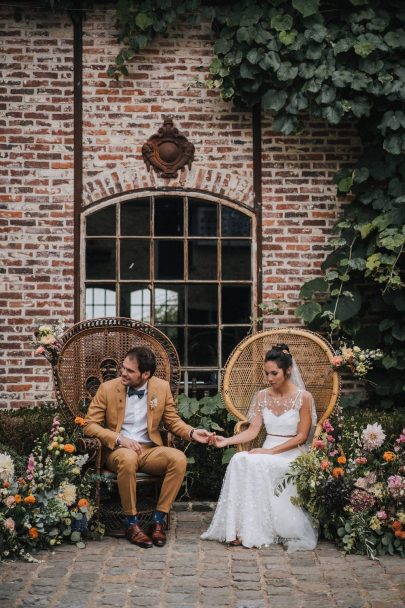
[222,183]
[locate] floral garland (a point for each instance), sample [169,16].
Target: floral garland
[353,484]
[46,341]
[51,503]
[355,360]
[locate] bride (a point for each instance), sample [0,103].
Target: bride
[249,512]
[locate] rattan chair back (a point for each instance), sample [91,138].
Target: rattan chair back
[92,352]
[243,374]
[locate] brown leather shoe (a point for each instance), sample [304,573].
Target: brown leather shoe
[157,533]
[137,536]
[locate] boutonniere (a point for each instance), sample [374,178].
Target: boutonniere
[153,402]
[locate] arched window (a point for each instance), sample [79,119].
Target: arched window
[181,263]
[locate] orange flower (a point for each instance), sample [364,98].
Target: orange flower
[342,460]
[400,534]
[79,420]
[338,472]
[30,499]
[69,448]
[389,456]
[17,498]
[396,525]
[33,533]
[83,502]
[325,464]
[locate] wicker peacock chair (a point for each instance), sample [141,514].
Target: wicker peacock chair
[90,353]
[243,374]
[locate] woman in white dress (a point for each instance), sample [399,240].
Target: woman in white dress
[249,512]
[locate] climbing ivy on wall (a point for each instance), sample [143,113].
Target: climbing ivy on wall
[343,62]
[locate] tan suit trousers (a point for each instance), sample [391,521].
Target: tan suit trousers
[154,460]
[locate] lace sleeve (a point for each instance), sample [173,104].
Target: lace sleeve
[256,406]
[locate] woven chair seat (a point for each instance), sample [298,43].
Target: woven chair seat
[244,375]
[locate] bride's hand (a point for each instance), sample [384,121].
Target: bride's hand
[260,451]
[220,442]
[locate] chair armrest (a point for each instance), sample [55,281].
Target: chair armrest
[241,426]
[92,447]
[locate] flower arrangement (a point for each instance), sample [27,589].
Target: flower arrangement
[353,484]
[47,340]
[352,358]
[51,502]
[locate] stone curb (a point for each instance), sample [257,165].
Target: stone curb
[194,505]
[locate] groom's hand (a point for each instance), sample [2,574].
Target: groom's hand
[202,436]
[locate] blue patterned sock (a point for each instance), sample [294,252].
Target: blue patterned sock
[159,517]
[130,520]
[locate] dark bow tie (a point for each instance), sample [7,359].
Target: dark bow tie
[133,391]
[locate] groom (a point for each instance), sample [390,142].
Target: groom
[125,415]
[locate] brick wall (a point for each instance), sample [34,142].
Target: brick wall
[36,171]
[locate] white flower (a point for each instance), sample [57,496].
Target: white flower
[67,493]
[6,467]
[373,436]
[153,402]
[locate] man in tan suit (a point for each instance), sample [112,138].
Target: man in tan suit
[125,415]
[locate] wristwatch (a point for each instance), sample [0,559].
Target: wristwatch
[191,433]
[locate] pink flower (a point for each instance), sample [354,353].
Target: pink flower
[334,453]
[330,438]
[39,351]
[337,361]
[396,485]
[319,444]
[10,524]
[9,501]
[373,436]
[361,460]
[327,427]
[381,515]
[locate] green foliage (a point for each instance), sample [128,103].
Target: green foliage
[206,464]
[21,428]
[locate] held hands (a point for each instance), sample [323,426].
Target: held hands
[202,436]
[218,441]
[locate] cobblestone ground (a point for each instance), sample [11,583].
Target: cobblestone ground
[189,573]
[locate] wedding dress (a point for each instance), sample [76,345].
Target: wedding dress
[248,507]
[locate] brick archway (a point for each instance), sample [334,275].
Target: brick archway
[112,183]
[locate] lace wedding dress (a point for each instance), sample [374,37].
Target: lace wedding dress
[248,507]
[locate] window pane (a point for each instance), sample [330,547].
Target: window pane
[169,216]
[169,259]
[101,223]
[202,346]
[100,301]
[202,260]
[236,303]
[202,304]
[169,304]
[235,223]
[135,218]
[231,336]
[100,259]
[202,219]
[236,260]
[135,302]
[176,335]
[135,259]
[202,383]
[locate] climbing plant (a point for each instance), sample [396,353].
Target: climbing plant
[343,62]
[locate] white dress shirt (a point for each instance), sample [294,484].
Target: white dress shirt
[135,425]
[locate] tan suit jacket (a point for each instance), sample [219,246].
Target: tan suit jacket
[107,410]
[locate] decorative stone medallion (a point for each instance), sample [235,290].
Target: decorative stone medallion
[168,151]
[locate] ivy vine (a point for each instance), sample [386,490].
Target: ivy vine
[343,62]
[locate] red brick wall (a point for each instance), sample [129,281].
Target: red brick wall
[36,171]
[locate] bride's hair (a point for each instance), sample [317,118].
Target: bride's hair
[280,354]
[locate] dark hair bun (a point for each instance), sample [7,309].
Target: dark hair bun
[282,348]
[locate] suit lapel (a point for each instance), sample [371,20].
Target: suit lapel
[121,402]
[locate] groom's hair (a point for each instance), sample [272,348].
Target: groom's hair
[280,354]
[145,357]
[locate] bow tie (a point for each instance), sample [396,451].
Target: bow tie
[133,391]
